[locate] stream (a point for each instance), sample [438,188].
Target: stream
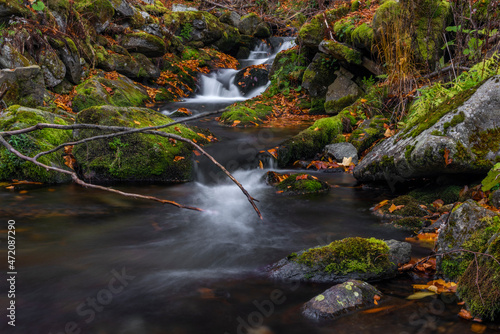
[95,262]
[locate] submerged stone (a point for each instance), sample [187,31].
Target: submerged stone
[340,300]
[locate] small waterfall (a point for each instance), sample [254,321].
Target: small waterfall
[219,86]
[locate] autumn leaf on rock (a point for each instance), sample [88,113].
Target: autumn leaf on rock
[196,153]
[394,207]
[438,203]
[178,129]
[301,177]
[137,122]
[178,158]
[273,152]
[346,162]
[465,314]
[261,166]
[236,123]
[447,159]
[381,204]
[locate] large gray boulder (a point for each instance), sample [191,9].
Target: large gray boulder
[10,57]
[362,259]
[123,8]
[342,92]
[253,25]
[26,86]
[341,299]
[67,51]
[468,134]
[147,44]
[340,151]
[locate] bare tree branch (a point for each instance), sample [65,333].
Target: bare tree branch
[122,131]
[77,180]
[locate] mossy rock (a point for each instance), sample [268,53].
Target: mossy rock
[492,181]
[98,12]
[298,184]
[448,193]
[310,141]
[12,167]
[409,207]
[26,86]
[341,52]
[136,157]
[142,42]
[119,59]
[351,258]
[368,132]
[363,36]
[319,75]
[313,32]
[14,7]
[99,90]
[245,116]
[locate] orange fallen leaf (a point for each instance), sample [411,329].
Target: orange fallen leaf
[363,100]
[178,158]
[236,123]
[465,314]
[273,152]
[137,122]
[381,204]
[478,328]
[301,177]
[394,207]
[178,129]
[23,192]
[196,153]
[378,309]
[261,165]
[447,159]
[10,187]
[438,203]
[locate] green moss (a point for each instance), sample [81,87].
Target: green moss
[246,115]
[334,107]
[12,167]
[312,33]
[482,143]
[136,157]
[310,141]
[409,149]
[435,114]
[363,34]
[347,256]
[409,223]
[301,186]
[343,29]
[492,181]
[95,10]
[457,119]
[343,52]
[317,106]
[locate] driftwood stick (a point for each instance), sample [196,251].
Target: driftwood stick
[79,181]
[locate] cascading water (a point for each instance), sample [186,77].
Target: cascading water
[220,85]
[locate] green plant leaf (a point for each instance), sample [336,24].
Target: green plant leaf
[38,6]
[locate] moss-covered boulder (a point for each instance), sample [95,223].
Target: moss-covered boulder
[26,86]
[248,113]
[313,32]
[142,42]
[474,229]
[340,300]
[342,260]
[136,157]
[99,90]
[400,208]
[310,141]
[296,184]
[12,167]
[461,135]
[13,7]
[319,74]
[368,132]
[252,25]
[98,12]
[341,52]
[135,65]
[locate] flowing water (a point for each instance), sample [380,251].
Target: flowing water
[93,262]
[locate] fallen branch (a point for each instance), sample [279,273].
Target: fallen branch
[445,69]
[122,131]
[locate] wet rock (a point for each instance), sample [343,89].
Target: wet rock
[183,8]
[231,18]
[319,74]
[144,43]
[342,92]
[98,12]
[26,86]
[250,78]
[16,117]
[340,300]
[467,123]
[99,90]
[54,70]
[342,260]
[340,151]
[134,65]
[134,158]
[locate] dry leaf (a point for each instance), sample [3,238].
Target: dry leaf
[420,295]
[178,158]
[273,152]
[394,207]
[465,314]
[137,122]
[346,162]
[236,123]
[478,328]
[301,177]
[381,204]
[438,203]
[447,159]
[261,166]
